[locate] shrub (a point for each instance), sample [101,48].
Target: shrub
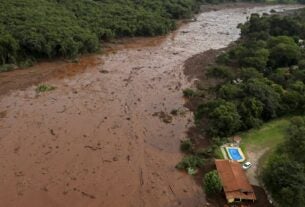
[205,152]
[44,88]
[186,146]
[190,163]
[212,183]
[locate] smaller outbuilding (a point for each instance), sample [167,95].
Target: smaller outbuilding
[234,180]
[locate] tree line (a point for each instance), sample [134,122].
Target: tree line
[284,175]
[33,29]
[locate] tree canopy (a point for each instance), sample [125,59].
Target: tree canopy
[212,183]
[31,29]
[284,175]
[263,76]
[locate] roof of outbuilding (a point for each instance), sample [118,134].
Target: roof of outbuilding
[234,180]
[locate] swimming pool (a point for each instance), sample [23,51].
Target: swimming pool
[236,154]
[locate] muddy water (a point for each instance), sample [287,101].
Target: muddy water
[98,140]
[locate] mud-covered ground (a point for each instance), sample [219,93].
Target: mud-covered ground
[105,136]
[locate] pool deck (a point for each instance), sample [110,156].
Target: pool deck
[224,153]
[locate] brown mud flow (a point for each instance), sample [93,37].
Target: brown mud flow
[105,136]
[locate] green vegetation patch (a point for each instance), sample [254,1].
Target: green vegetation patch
[186,146]
[7,67]
[44,88]
[33,29]
[268,136]
[212,183]
[284,174]
[190,163]
[262,77]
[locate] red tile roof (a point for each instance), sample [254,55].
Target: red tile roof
[234,180]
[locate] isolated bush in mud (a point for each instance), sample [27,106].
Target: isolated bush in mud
[186,146]
[211,182]
[190,163]
[44,88]
[175,112]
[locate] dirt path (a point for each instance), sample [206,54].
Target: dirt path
[94,141]
[254,157]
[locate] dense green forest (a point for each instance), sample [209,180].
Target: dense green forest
[34,29]
[31,29]
[261,78]
[284,175]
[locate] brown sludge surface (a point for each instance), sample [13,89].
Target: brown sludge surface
[95,141]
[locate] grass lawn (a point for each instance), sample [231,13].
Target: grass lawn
[268,136]
[218,153]
[258,144]
[261,142]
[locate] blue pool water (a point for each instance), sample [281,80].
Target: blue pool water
[234,154]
